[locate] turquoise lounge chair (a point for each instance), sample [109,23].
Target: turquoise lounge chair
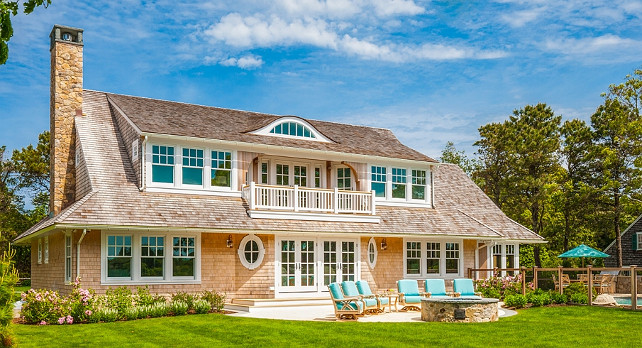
[364,290]
[409,295]
[465,289]
[344,308]
[435,288]
[370,303]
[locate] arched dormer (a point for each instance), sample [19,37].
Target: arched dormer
[292,127]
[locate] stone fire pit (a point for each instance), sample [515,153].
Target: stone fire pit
[462,310]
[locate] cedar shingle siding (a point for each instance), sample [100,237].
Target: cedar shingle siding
[629,256]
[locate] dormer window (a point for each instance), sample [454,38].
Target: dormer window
[292,127]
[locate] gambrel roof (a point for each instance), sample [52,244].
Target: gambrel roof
[114,199]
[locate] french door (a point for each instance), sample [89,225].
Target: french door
[310,264]
[298,265]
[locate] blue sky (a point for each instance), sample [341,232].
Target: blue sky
[432,71]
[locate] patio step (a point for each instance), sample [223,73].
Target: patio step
[246,305]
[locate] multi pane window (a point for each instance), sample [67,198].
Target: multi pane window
[398,183]
[183,256]
[152,256]
[418,184]
[293,129]
[344,179]
[452,258]
[163,164]
[119,256]
[433,257]
[639,241]
[378,181]
[68,258]
[221,168]
[413,258]
[39,251]
[283,174]
[301,175]
[510,256]
[251,251]
[317,177]
[497,256]
[192,166]
[264,172]
[47,249]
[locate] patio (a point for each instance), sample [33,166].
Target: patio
[326,313]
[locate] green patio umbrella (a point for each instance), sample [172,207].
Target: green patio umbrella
[583,251]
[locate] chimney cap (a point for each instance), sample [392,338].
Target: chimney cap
[62,33]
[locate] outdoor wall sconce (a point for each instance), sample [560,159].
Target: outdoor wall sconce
[384,245]
[229,241]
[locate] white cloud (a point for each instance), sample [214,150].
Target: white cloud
[341,9]
[246,62]
[397,7]
[518,19]
[608,44]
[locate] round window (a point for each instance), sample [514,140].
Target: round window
[251,251]
[372,253]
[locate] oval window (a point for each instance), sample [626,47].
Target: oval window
[251,251]
[372,253]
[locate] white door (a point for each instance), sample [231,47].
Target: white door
[339,261]
[297,271]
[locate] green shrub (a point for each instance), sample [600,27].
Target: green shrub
[143,297]
[42,306]
[577,288]
[184,297]
[119,299]
[516,301]
[558,298]
[132,313]
[179,307]
[216,300]
[94,317]
[202,307]
[158,309]
[8,280]
[80,303]
[579,298]
[109,315]
[538,300]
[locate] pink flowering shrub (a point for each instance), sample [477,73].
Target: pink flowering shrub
[500,287]
[42,306]
[80,302]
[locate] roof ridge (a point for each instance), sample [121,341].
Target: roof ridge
[481,223]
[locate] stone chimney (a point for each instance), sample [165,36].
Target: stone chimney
[65,104]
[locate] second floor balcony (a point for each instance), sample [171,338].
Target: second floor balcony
[303,203]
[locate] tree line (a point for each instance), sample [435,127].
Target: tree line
[570,181]
[24,195]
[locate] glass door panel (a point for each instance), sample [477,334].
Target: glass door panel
[348,261]
[307,263]
[288,263]
[329,262]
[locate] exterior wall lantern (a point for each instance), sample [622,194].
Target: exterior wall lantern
[229,241]
[384,245]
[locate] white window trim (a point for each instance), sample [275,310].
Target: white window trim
[503,264]
[442,259]
[46,250]
[273,161]
[68,256]
[136,278]
[266,130]
[177,185]
[639,240]
[241,251]
[388,200]
[373,243]
[39,251]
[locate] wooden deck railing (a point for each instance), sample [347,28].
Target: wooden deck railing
[304,199]
[633,270]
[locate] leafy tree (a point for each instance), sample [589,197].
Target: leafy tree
[451,155]
[618,146]
[495,156]
[8,9]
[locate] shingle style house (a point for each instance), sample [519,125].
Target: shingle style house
[188,197]
[631,246]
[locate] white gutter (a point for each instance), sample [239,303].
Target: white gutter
[84,232]
[142,157]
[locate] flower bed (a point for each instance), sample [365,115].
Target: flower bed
[45,307]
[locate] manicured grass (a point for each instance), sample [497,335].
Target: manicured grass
[20,289]
[541,327]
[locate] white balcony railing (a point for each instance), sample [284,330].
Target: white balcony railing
[304,199]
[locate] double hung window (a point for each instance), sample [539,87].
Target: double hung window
[163,164]
[418,184]
[301,175]
[183,256]
[452,258]
[378,181]
[119,256]
[283,174]
[398,183]
[497,256]
[152,256]
[68,258]
[510,256]
[39,251]
[413,258]
[221,169]
[192,166]
[433,258]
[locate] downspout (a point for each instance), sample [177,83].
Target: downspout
[84,232]
[142,157]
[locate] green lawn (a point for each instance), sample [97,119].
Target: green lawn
[18,290]
[541,327]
